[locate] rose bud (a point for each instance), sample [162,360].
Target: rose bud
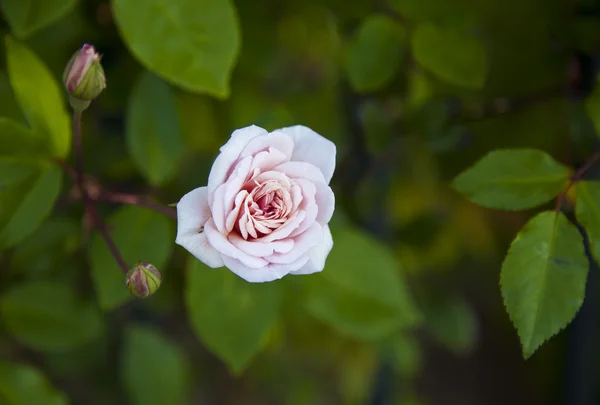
[143,280]
[84,77]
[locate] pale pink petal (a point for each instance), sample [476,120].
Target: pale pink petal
[234,214]
[308,204]
[312,148]
[273,175]
[267,160]
[260,249]
[221,244]
[192,214]
[326,202]
[283,143]
[224,196]
[230,153]
[301,170]
[286,229]
[302,243]
[260,275]
[284,269]
[317,255]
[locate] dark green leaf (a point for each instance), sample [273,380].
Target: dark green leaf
[453,324]
[154,371]
[513,179]
[199,126]
[361,292]
[140,235]
[455,57]
[543,278]
[587,210]
[374,55]
[231,316]
[27,17]
[21,384]
[40,98]
[17,140]
[193,44]
[27,196]
[153,132]
[49,316]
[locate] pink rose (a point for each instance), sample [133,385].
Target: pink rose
[265,211]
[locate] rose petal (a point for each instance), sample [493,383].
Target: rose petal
[260,275]
[317,255]
[230,153]
[301,170]
[302,243]
[260,249]
[224,196]
[192,214]
[309,205]
[221,244]
[286,229]
[312,148]
[326,202]
[283,143]
[266,160]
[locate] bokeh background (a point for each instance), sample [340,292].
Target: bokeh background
[408,310]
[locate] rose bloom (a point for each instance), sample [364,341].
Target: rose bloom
[265,211]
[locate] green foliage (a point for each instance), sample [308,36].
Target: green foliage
[361,293]
[168,35]
[453,323]
[141,234]
[28,17]
[513,179]
[154,371]
[21,384]
[451,55]
[543,278]
[49,316]
[40,98]
[374,55]
[587,211]
[231,316]
[153,133]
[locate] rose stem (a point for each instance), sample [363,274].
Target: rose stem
[575,178]
[87,201]
[132,199]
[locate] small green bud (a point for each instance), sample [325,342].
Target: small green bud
[143,280]
[84,77]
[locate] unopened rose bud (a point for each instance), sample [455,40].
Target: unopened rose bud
[84,77]
[143,280]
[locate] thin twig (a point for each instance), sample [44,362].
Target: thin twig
[88,202]
[575,178]
[132,199]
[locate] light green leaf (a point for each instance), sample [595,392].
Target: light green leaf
[199,126]
[375,53]
[154,371]
[514,179]
[140,235]
[49,316]
[27,17]
[22,384]
[453,56]
[231,316]
[361,292]
[153,133]
[17,140]
[26,198]
[39,97]
[587,210]
[543,278]
[453,323]
[193,44]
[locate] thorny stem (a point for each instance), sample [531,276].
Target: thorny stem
[575,178]
[87,201]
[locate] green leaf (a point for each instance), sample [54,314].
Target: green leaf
[154,371]
[27,17]
[514,179]
[199,125]
[231,316]
[375,53]
[49,316]
[39,97]
[451,55]
[193,44]
[27,195]
[17,140]
[587,210]
[453,323]
[361,292]
[140,235]
[21,384]
[543,278]
[153,134]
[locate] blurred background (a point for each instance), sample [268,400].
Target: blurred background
[412,92]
